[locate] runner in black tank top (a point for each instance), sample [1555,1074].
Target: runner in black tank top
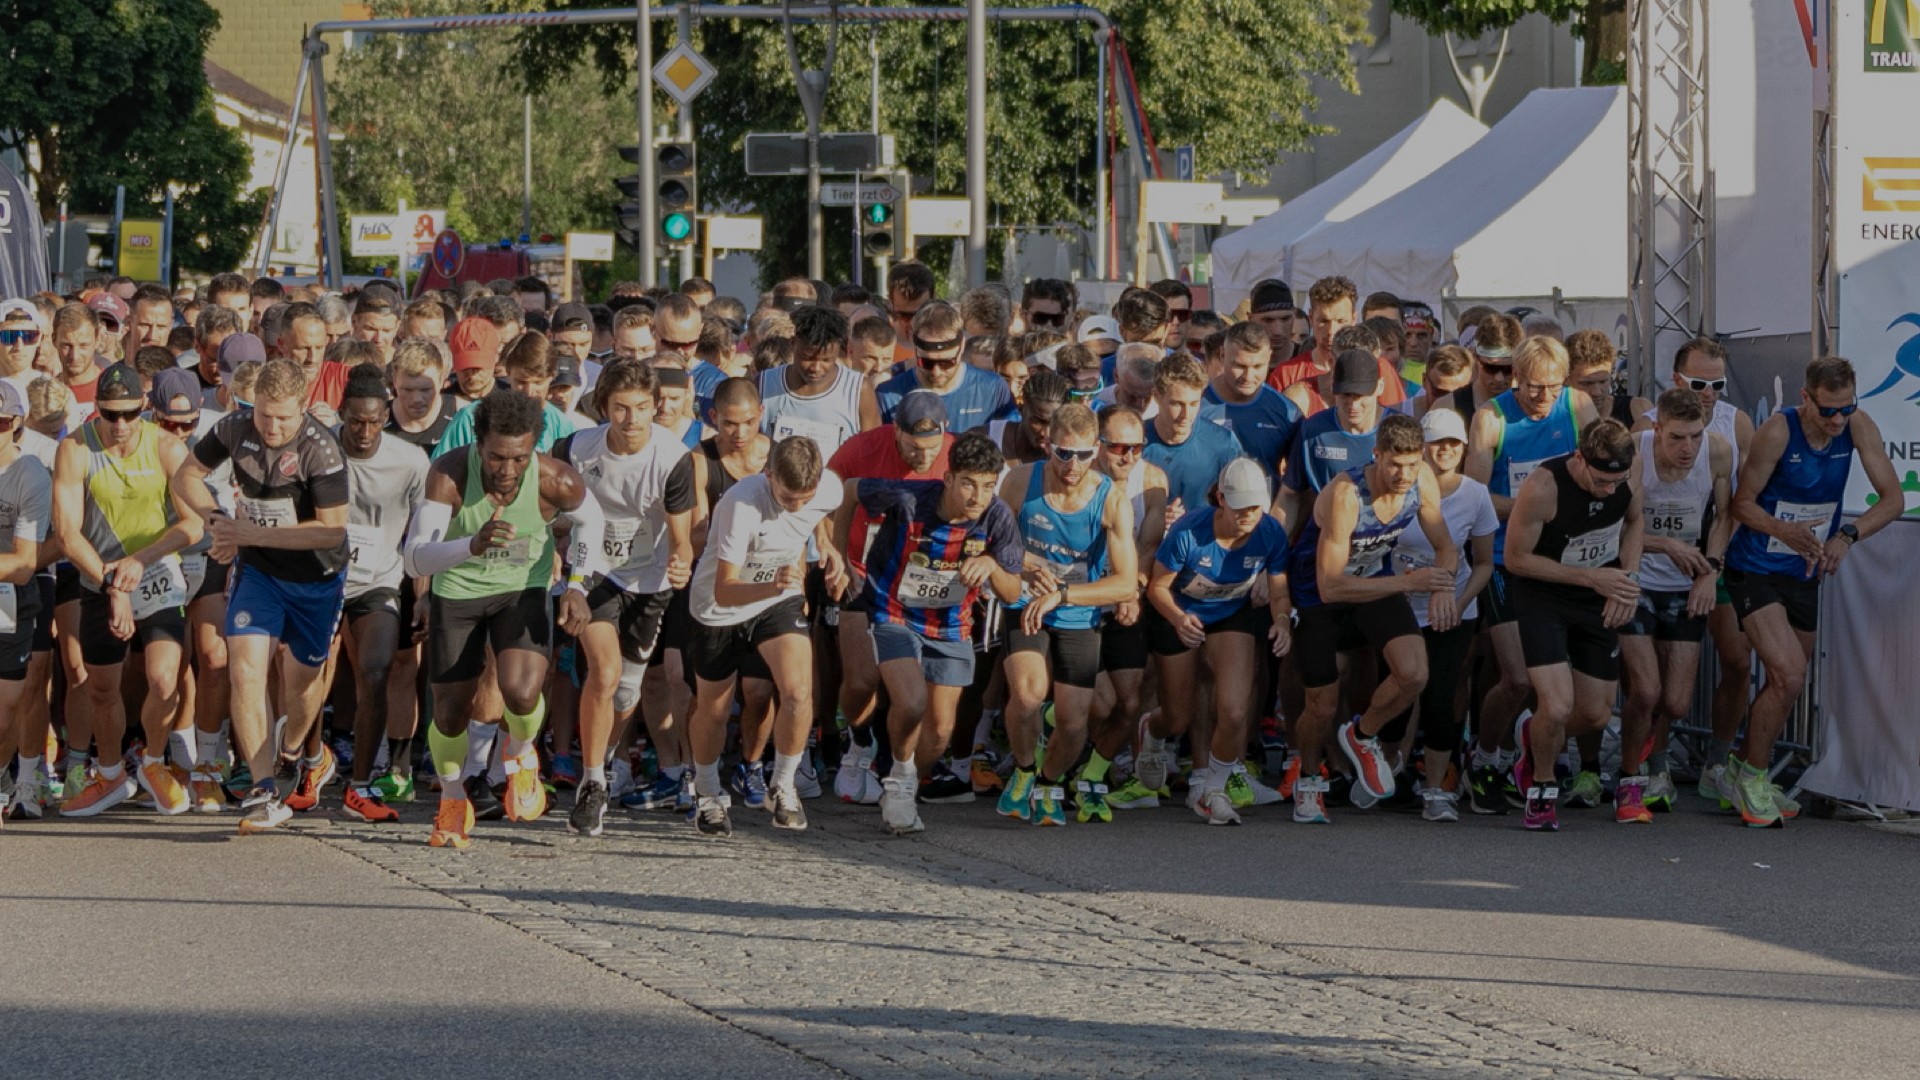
[1573,547]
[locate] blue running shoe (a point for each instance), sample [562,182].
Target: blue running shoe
[749,782]
[659,795]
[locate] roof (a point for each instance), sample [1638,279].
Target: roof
[228,85]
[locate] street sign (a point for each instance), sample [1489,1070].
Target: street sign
[1187,203]
[785,153]
[842,194]
[734,233]
[426,225]
[1183,162]
[939,217]
[139,256]
[449,254]
[374,235]
[683,73]
[590,246]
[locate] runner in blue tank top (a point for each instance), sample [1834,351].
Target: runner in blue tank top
[1792,482]
[1077,527]
[1347,595]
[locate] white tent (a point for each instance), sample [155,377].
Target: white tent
[1261,250]
[1539,204]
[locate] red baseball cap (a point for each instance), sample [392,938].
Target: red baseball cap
[475,343]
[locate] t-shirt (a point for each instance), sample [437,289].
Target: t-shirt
[1263,426]
[1212,581]
[1469,513]
[1322,450]
[1393,389]
[873,455]
[1194,465]
[80,409]
[26,513]
[282,486]
[1109,396]
[753,532]
[636,493]
[914,573]
[328,385]
[427,437]
[706,377]
[386,488]
[554,426]
[977,397]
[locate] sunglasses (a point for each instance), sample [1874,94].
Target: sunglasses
[19,337]
[1124,449]
[680,346]
[1047,318]
[1495,369]
[934,364]
[1069,454]
[1831,411]
[1179,315]
[178,427]
[6,424]
[117,416]
[1715,385]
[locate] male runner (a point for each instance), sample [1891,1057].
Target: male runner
[26,513]
[1260,417]
[1123,637]
[421,411]
[974,397]
[485,534]
[1787,507]
[1188,449]
[816,395]
[1573,547]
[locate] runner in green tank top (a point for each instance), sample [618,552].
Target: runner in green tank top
[485,534]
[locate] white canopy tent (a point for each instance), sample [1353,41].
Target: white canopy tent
[1261,250]
[1537,208]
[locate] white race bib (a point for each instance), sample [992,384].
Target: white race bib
[362,542]
[9,609]
[1517,473]
[162,586]
[517,552]
[1591,549]
[925,587]
[194,569]
[761,568]
[268,513]
[1818,516]
[1205,588]
[1678,520]
[827,437]
[628,544]
[1368,561]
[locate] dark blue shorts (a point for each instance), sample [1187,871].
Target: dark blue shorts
[303,616]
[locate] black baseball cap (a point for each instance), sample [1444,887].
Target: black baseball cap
[1356,371]
[1272,295]
[571,317]
[119,383]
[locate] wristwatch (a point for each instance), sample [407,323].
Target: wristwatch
[1852,534]
[1719,564]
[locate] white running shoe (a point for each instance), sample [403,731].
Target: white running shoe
[1709,786]
[1309,801]
[806,779]
[855,781]
[29,798]
[1216,809]
[1154,762]
[897,810]
[1440,805]
[620,778]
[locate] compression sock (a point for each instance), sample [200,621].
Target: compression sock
[706,778]
[1657,762]
[862,736]
[785,767]
[1095,770]
[1718,751]
[522,729]
[479,752]
[449,753]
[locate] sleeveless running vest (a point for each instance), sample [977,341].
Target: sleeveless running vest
[1075,543]
[525,563]
[1584,530]
[127,504]
[1372,541]
[1806,486]
[1677,511]
[829,419]
[1524,444]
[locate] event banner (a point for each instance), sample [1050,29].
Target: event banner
[1876,219]
[23,244]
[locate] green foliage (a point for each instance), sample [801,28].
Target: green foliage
[1472,18]
[105,94]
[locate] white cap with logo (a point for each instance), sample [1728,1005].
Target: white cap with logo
[1243,485]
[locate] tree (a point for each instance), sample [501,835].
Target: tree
[1601,23]
[1232,77]
[437,119]
[99,95]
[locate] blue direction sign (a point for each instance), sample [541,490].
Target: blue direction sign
[449,254]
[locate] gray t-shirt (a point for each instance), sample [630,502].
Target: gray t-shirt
[26,513]
[384,489]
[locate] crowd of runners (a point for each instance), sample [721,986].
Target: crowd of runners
[267,549]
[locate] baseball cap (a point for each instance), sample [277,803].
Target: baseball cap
[571,317]
[1356,371]
[11,403]
[1098,326]
[1415,315]
[1440,425]
[119,383]
[237,349]
[16,308]
[105,303]
[1272,295]
[475,343]
[566,371]
[922,412]
[176,395]
[1243,485]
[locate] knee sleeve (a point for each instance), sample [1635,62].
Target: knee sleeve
[449,753]
[626,694]
[528,726]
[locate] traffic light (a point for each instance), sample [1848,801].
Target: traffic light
[676,191]
[879,218]
[627,210]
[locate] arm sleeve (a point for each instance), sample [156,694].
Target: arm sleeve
[679,495]
[585,552]
[427,551]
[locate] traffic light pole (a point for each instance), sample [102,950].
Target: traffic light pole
[812,84]
[977,142]
[643,31]
[685,113]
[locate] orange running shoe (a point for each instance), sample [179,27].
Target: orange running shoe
[169,794]
[306,791]
[526,795]
[99,795]
[365,805]
[208,793]
[452,825]
[1289,776]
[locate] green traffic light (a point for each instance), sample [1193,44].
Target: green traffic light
[879,213]
[677,226]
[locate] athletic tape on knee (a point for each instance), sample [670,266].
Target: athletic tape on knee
[449,753]
[627,694]
[528,726]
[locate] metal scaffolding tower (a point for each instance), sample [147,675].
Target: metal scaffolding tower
[1669,184]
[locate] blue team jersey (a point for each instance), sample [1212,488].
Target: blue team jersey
[1264,426]
[705,378]
[1322,450]
[1194,465]
[1213,581]
[1372,541]
[1075,545]
[1524,444]
[1807,486]
[913,567]
[978,398]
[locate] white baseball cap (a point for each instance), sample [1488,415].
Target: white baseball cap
[23,307]
[1440,425]
[1098,326]
[1243,485]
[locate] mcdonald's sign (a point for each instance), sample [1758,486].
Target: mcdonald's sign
[1892,26]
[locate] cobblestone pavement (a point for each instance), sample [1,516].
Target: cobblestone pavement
[888,957]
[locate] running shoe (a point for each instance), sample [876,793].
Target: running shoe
[710,816]
[1370,766]
[1289,776]
[1309,801]
[898,815]
[1483,790]
[620,782]
[1153,762]
[1709,786]
[262,811]
[1788,806]
[1752,796]
[208,794]
[787,811]
[660,795]
[749,782]
[1049,805]
[566,771]
[1542,813]
[589,814]
[1358,796]
[29,798]
[1215,808]
[1091,802]
[1522,772]
[1133,795]
[806,778]
[393,787]
[1244,791]
[168,793]
[944,786]
[309,780]
[77,778]
[984,778]
[97,796]
[1585,792]
[452,825]
[239,781]
[486,805]
[1660,794]
[1016,800]
[526,795]
[851,781]
[684,800]
[1629,801]
[1439,805]
[364,804]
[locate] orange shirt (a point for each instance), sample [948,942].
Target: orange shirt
[1302,369]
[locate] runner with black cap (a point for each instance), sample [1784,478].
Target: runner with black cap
[1271,305]
[974,397]
[1334,440]
[571,332]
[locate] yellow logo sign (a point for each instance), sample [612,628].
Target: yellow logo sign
[1891,29]
[1891,184]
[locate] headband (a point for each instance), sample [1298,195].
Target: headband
[928,345]
[671,378]
[1493,352]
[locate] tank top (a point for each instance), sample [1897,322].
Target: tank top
[1677,511]
[718,478]
[1372,541]
[1074,543]
[1620,408]
[1524,444]
[127,504]
[525,563]
[829,419]
[1806,486]
[1725,417]
[1584,531]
